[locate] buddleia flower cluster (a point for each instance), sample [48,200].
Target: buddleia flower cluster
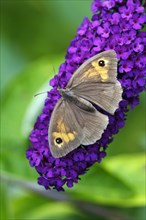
[115,25]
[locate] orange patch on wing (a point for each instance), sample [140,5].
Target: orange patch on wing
[63,132]
[66,137]
[102,71]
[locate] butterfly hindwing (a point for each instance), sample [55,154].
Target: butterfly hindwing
[105,95]
[71,126]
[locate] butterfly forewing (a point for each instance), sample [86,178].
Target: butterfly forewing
[98,84]
[93,70]
[74,126]
[64,131]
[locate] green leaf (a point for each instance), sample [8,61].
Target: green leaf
[33,110]
[48,27]
[16,102]
[131,138]
[131,170]
[19,94]
[117,181]
[24,199]
[4,212]
[54,210]
[20,204]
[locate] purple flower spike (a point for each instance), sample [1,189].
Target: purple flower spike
[114,25]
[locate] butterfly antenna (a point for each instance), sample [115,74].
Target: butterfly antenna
[57,79]
[54,71]
[39,93]
[58,86]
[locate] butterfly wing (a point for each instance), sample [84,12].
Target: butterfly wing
[71,126]
[63,137]
[96,81]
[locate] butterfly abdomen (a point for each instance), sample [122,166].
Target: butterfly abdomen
[83,104]
[68,95]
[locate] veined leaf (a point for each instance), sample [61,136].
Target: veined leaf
[117,181]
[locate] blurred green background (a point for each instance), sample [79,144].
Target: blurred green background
[34,39]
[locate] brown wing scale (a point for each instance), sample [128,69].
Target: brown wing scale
[96,81]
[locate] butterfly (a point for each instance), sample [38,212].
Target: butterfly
[75,121]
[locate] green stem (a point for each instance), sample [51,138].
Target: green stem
[87,207]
